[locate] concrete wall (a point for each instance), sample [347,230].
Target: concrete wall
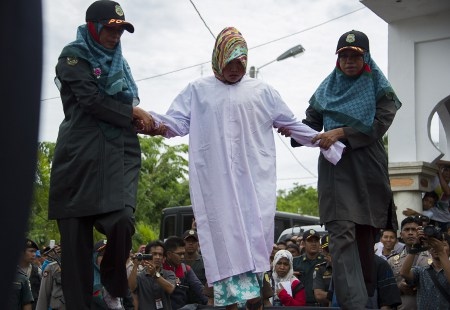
[419,70]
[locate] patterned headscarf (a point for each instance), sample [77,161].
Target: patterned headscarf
[351,101]
[230,45]
[108,65]
[290,275]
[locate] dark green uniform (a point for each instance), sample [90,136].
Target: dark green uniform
[21,292]
[305,267]
[322,277]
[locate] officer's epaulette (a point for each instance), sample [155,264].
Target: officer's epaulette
[320,264]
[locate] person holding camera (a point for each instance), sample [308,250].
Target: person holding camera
[408,234]
[189,289]
[436,275]
[154,285]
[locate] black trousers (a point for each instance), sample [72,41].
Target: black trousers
[77,271]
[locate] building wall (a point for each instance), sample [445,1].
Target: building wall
[419,70]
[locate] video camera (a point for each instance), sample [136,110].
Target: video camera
[141,257]
[430,231]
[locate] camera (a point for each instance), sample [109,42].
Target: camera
[140,256]
[432,231]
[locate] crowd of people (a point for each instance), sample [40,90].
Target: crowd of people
[230,119]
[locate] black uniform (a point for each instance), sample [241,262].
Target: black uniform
[305,267]
[322,278]
[21,292]
[94,180]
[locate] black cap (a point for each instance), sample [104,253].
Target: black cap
[108,13]
[309,234]
[355,40]
[190,233]
[30,244]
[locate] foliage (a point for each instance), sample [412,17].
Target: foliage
[163,183]
[300,199]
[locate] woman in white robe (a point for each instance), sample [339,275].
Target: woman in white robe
[230,119]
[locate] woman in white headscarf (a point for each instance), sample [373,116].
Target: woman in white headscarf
[289,290]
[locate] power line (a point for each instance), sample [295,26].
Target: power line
[295,157]
[202,19]
[254,47]
[306,29]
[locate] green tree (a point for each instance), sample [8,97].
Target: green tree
[300,199]
[163,183]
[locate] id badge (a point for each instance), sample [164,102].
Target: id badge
[159,303]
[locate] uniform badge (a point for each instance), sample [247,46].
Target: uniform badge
[430,261]
[266,278]
[119,10]
[72,61]
[45,274]
[350,38]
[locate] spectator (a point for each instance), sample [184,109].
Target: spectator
[189,289]
[192,255]
[97,158]
[153,285]
[432,213]
[51,292]
[294,249]
[21,297]
[322,275]
[289,290]
[356,105]
[390,245]
[232,107]
[304,264]
[387,294]
[408,234]
[32,271]
[433,281]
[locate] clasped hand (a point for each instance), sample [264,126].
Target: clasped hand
[145,124]
[326,139]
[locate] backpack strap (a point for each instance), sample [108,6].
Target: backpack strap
[297,288]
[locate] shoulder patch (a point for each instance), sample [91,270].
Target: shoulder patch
[72,61]
[45,274]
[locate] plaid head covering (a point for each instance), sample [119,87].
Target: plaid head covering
[351,101]
[230,45]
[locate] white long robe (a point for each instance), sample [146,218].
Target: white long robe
[232,173]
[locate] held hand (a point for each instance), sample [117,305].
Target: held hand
[142,120]
[149,267]
[284,131]
[159,130]
[326,139]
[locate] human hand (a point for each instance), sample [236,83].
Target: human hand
[328,138]
[159,130]
[149,267]
[409,212]
[437,247]
[284,131]
[405,288]
[142,120]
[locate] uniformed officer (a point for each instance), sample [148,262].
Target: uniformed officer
[408,234]
[322,275]
[304,264]
[21,297]
[51,293]
[33,272]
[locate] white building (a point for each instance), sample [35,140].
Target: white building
[419,70]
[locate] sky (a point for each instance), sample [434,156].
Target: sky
[172,46]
